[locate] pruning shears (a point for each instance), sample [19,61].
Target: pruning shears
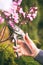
[18,33]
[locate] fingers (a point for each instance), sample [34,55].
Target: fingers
[29,43]
[16,47]
[19,54]
[26,38]
[18,50]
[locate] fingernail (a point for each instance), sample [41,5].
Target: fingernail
[13,46]
[26,34]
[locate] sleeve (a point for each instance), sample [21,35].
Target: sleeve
[39,57]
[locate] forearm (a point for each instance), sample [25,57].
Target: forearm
[39,57]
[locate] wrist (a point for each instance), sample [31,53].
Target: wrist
[36,53]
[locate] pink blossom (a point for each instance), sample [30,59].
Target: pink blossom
[14,10]
[30,17]
[34,15]
[36,8]
[1,20]
[7,13]
[16,17]
[21,12]
[14,6]
[14,3]
[19,2]
[31,10]
[11,23]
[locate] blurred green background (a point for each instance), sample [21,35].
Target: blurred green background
[35,31]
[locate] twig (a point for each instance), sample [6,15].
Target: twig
[3,31]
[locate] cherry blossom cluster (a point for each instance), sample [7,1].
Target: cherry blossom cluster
[15,10]
[32,13]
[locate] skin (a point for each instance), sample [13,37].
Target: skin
[26,49]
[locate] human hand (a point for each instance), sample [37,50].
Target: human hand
[26,47]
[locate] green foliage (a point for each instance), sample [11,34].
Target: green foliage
[7,57]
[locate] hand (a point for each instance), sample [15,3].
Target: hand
[26,47]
